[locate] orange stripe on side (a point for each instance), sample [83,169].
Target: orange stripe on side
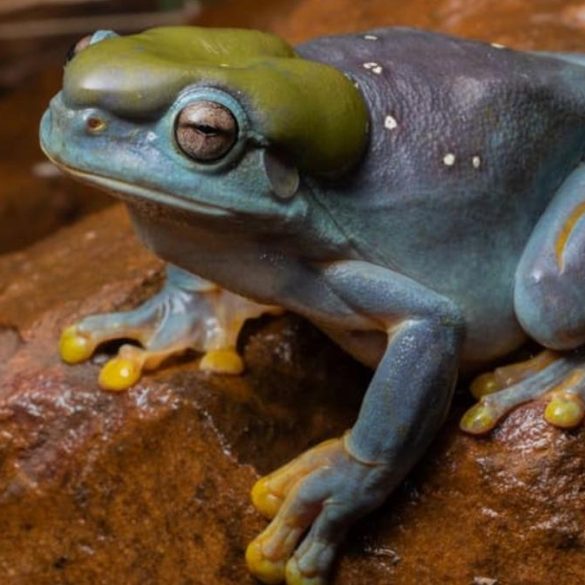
[566,232]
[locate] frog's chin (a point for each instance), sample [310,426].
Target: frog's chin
[133,193]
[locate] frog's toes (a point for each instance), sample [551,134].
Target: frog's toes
[480,418]
[276,555]
[270,491]
[313,501]
[74,346]
[123,371]
[222,361]
[310,564]
[561,382]
[509,375]
[267,568]
[271,556]
[266,499]
[565,410]
[79,341]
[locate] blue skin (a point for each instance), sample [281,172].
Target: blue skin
[436,254]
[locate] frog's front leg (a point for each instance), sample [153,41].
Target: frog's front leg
[314,499]
[188,313]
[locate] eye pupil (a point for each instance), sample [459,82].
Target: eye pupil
[206,131]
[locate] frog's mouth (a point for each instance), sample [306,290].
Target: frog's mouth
[133,193]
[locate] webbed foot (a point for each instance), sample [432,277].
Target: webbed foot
[558,380]
[188,313]
[506,376]
[312,502]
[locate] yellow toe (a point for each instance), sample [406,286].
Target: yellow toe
[264,500]
[74,347]
[479,419]
[565,411]
[484,385]
[222,361]
[295,577]
[119,374]
[271,572]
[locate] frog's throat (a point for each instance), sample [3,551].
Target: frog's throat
[133,193]
[309,109]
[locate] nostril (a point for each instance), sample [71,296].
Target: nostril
[95,124]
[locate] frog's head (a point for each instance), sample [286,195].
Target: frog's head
[212,121]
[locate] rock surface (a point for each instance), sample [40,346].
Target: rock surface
[151,486]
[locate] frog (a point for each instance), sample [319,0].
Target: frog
[419,198]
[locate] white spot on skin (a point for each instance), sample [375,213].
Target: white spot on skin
[449,159]
[373,67]
[498,46]
[476,162]
[371,37]
[390,123]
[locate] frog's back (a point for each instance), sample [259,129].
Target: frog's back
[469,142]
[431,95]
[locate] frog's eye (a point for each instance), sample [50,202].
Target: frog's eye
[78,47]
[206,131]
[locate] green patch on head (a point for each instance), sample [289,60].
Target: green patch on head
[307,108]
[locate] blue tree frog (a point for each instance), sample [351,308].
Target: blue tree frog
[419,198]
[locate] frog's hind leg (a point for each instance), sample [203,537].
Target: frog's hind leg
[561,383]
[549,298]
[188,313]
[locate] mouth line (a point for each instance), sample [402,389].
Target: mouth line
[133,192]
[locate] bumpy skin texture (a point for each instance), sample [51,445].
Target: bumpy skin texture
[431,232]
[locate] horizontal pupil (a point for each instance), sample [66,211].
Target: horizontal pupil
[204,129]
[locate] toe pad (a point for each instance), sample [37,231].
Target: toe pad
[222,361]
[74,348]
[119,374]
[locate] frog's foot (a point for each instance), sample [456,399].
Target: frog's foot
[559,380]
[313,500]
[509,375]
[178,318]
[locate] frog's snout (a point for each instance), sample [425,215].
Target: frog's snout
[63,129]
